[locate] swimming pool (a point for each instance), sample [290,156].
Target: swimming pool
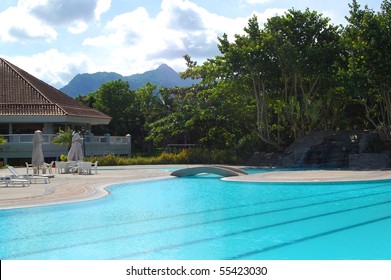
[206,218]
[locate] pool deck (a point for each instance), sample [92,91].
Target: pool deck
[65,188]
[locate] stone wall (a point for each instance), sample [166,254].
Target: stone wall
[369,160]
[342,149]
[328,149]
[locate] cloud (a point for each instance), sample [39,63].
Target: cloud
[59,12]
[39,19]
[29,28]
[182,15]
[53,67]
[136,39]
[132,42]
[78,27]
[257,2]
[268,13]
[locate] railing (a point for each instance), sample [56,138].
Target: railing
[20,146]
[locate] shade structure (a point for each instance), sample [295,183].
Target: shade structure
[37,158]
[76,152]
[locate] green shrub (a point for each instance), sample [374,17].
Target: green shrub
[187,156]
[63,157]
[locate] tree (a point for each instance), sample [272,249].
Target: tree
[178,108]
[288,68]
[114,98]
[306,47]
[248,61]
[367,38]
[64,138]
[145,109]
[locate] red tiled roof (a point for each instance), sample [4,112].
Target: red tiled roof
[21,94]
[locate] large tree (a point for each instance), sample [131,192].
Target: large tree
[288,67]
[367,39]
[307,48]
[114,98]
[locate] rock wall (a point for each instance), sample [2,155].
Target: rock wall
[343,149]
[370,161]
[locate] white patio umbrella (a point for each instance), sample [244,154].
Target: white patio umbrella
[37,159]
[76,152]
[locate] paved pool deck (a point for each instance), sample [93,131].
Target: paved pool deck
[66,188]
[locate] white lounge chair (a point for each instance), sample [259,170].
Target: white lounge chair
[7,181]
[30,177]
[94,166]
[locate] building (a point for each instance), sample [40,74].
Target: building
[28,104]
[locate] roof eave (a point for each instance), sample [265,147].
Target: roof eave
[54,119]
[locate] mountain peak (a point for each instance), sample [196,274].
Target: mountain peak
[164,75]
[164,67]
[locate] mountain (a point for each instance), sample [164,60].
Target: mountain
[162,76]
[85,83]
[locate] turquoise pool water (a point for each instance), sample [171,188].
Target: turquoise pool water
[206,218]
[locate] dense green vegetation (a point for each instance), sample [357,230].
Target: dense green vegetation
[186,156]
[64,138]
[269,86]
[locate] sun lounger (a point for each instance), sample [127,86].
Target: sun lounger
[30,177]
[7,180]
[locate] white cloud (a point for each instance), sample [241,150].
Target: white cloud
[78,27]
[27,29]
[257,2]
[59,12]
[38,19]
[135,41]
[102,7]
[131,42]
[54,67]
[268,13]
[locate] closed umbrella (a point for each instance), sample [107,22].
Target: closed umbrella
[76,152]
[37,159]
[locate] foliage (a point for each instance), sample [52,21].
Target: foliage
[64,138]
[114,98]
[63,157]
[367,38]
[269,86]
[289,67]
[131,111]
[2,140]
[186,156]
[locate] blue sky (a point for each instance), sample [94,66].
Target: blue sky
[57,39]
